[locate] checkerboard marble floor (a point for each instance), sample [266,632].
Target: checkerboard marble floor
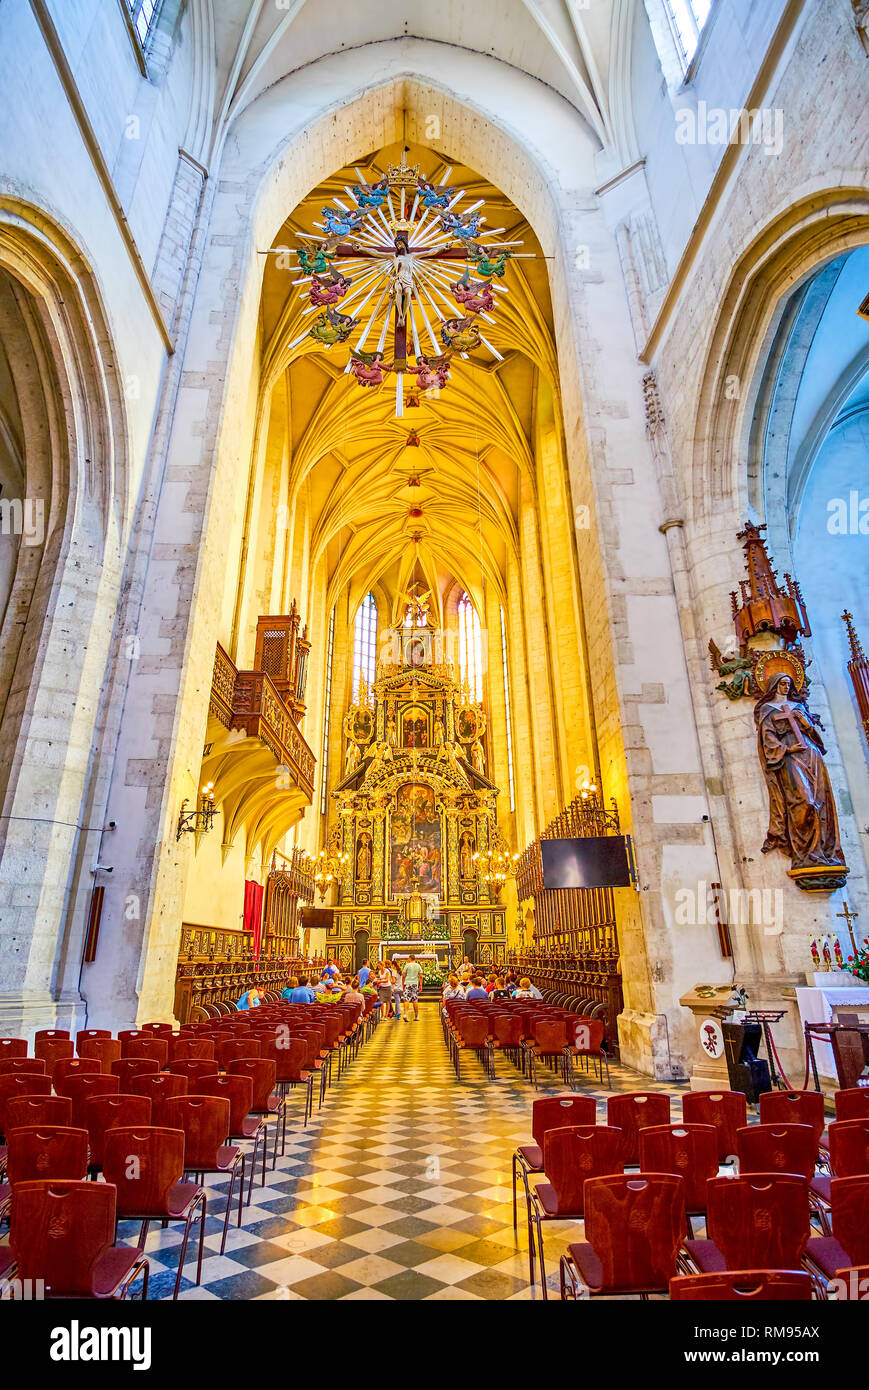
[399,1188]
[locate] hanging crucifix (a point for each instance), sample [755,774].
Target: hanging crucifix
[403,240]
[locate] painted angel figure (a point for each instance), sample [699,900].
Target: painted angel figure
[476,298]
[432,197]
[371,195]
[431,373]
[368,368]
[341,223]
[485,264]
[460,334]
[465,231]
[329,291]
[314,260]
[330,327]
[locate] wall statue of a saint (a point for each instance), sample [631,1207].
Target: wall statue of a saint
[802,812]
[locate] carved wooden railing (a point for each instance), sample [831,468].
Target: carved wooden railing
[249,700]
[215,967]
[287,886]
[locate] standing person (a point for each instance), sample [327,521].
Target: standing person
[249,1000]
[364,972]
[396,989]
[466,970]
[383,980]
[410,983]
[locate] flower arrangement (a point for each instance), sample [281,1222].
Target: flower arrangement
[859,964]
[432,976]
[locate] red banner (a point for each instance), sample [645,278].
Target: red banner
[253,912]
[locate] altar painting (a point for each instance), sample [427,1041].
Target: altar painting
[415,850]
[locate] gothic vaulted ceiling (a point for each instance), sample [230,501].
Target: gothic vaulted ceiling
[432,494]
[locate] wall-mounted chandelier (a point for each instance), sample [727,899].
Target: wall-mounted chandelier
[393,255]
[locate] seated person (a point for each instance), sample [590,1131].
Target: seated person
[526,990]
[301,992]
[453,989]
[490,983]
[476,991]
[353,995]
[499,990]
[287,991]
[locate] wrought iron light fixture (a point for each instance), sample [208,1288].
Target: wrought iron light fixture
[200,819]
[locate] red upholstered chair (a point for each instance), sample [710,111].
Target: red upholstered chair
[205,1122]
[72,1066]
[262,1073]
[159,1086]
[103,1113]
[28,1066]
[194,1049]
[144,1044]
[744,1286]
[40,1152]
[852,1103]
[571,1156]
[689,1151]
[80,1089]
[587,1035]
[238,1090]
[229,1048]
[51,1050]
[48,1034]
[291,1064]
[753,1221]
[778,1148]
[102,1050]
[548,1044]
[13,1047]
[127,1068]
[63,1234]
[793,1107]
[550,1112]
[471,1033]
[726,1110]
[633,1225]
[633,1111]
[194,1068]
[850,1285]
[162,1030]
[38,1110]
[20,1084]
[505,1036]
[90,1035]
[156,1193]
[849,1222]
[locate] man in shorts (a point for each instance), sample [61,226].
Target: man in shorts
[410,982]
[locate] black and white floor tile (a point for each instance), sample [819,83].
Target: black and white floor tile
[399,1188]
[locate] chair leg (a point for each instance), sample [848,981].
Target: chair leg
[515,1214]
[539,1225]
[241,1188]
[228,1208]
[530,1240]
[183,1252]
[265,1142]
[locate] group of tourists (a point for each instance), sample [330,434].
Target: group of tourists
[395,983]
[469,983]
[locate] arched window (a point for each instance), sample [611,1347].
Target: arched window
[365,643]
[470,647]
[687,18]
[143,13]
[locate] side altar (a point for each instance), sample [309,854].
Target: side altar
[416,822]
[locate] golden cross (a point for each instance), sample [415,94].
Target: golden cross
[849,918]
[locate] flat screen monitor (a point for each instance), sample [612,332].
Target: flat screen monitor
[594,861]
[316,917]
